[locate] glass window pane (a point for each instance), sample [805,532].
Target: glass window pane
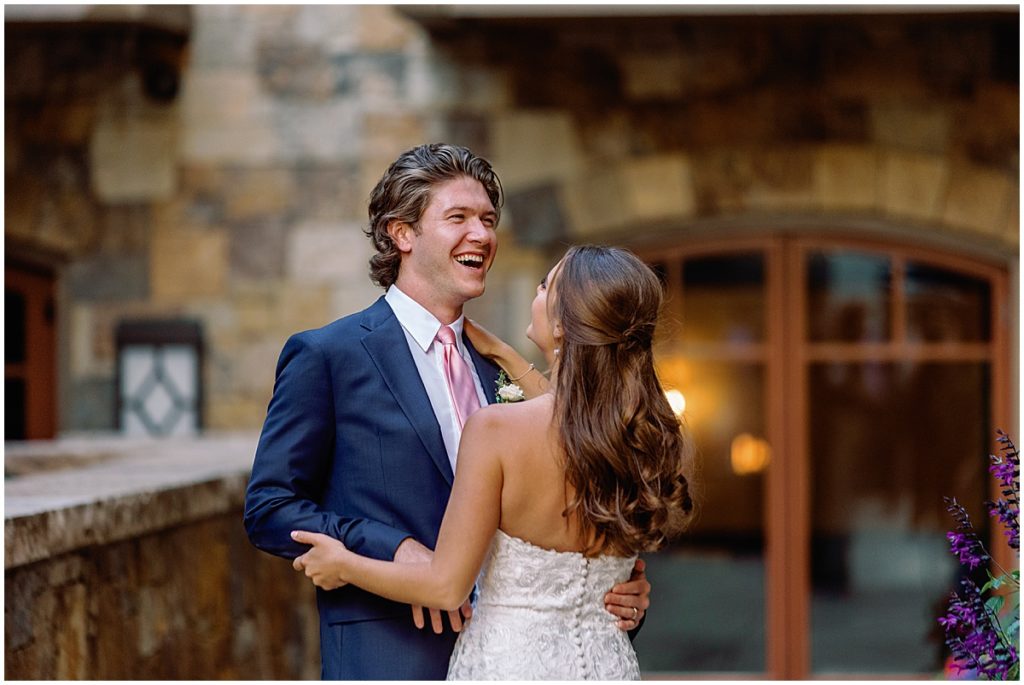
[15,424]
[946,306]
[724,299]
[883,454]
[710,605]
[848,297]
[15,327]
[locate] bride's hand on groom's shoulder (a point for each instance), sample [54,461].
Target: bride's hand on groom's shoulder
[486,343]
[322,562]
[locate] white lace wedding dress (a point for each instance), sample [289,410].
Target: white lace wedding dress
[540,616]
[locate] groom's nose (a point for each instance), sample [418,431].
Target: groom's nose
[477,230]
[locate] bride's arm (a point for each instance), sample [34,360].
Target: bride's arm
[470,521]
[523,373]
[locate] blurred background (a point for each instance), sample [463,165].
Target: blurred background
[830,195]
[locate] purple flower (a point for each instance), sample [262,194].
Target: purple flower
[1004,471]
[968,549]
[973,632]
[1010,519]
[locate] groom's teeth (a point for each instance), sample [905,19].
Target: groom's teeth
[470,259]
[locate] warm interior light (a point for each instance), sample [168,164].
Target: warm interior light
[749,454]
[676,401]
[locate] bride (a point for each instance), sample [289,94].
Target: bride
[555,496]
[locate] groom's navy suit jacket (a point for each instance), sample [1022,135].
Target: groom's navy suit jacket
[351,448]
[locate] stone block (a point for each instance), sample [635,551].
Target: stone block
[978,198]
[745,119]
[846,177]
[659,187]
[327,253]
[255,362]
[391,134]
[222,36]
[245,143]
[334,28]
[255,311]
[124,229]
[254,193]
[376,80]
[353,297]
[71,643]
[1011,231]
[22,586]
[986,130]
[464,128]
[187,264]
[535,146]
[655,76]
[226,119]
[294,70]
[912,184]
[303,306]
[722,179]
[82,360]
[330,192]
[782,178]
[90,405]
[133,158]
[257,249]
[233,413]
[597,202]
[324,133]
[102,278]
[537,215]
[436,82]
[919,126]
[382,28]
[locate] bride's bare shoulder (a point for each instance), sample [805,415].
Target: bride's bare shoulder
[513,417]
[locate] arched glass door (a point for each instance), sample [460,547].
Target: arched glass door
[836,391]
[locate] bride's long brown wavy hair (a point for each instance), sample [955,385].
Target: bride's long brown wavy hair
[625,451]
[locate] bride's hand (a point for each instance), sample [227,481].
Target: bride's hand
[486,343]
[323,562]
[527,377]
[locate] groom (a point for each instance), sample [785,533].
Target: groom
[362,432]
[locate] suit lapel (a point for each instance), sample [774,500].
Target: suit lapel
[387,346]
[486,370]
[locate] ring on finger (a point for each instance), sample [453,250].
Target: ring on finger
[636,613]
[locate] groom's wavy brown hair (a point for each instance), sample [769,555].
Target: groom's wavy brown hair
[405,189]
[626,452]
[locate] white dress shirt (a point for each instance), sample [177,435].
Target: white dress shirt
[420,327]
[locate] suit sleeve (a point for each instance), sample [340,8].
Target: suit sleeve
[293,459]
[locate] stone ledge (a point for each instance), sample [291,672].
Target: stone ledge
[122,489]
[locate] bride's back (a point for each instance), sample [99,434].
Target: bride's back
[534,492]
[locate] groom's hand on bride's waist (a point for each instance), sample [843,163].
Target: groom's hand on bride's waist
[628,602]
[412,552]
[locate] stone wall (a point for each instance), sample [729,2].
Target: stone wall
[134,564]
[241,202]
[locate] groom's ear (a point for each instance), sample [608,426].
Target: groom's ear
[401,235]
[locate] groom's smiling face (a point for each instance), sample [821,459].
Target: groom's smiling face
[449,257]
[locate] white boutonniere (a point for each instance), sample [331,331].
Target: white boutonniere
[507,390]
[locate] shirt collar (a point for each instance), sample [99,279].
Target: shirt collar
[421,324]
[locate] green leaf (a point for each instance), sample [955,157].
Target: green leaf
[993,583]
[995,604]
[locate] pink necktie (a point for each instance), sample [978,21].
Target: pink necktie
[458,376]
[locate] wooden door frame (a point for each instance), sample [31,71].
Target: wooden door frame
[38,284]
[786,357]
